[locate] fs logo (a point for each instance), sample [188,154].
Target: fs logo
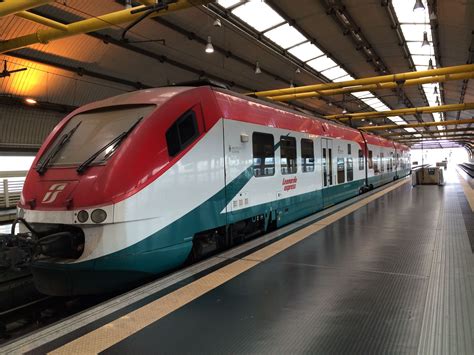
[53,193]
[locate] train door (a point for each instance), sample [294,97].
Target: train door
[327,171]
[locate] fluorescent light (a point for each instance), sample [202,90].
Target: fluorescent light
[322,63]
[306,51]
[285,36]
[258,15]
[410,129]
[31,101]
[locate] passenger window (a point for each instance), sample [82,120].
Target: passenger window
[361,160]
[371,162]
[307,155]
[288,155]
[182,133]
[263,154]
[350,169]
[349,149]
[382,168]
[340,171]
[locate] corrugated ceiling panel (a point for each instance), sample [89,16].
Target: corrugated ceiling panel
[24,127]
[49,84]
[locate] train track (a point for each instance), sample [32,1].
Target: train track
[468,168]
[41,312]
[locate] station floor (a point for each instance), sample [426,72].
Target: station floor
[392,273]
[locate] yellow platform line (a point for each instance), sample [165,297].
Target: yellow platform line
[123,327]
[468,191]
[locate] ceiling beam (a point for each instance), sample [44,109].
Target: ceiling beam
[40,105]
[338,11]
[469,136]
[164,59]
[400,112]
[414,125]
[92,24]
[399,79]
[395,25]
[373,87]
[225,14]
[9,7]
[78,70]
[430,132]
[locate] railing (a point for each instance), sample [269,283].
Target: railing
[11,184]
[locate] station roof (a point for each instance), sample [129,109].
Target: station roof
[258,45]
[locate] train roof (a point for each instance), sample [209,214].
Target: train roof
[231,103]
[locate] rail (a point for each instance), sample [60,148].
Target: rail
[468,168]
[11,185]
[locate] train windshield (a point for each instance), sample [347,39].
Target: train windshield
[88,132]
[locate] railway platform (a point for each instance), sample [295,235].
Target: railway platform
[7,215]
[391,271]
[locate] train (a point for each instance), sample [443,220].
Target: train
[136,185]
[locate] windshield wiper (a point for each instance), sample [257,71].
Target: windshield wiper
[113,143]
[43,166]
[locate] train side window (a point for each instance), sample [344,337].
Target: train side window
[349,149]
[371,162]
[182,133]
[288,155]
[350,169]
[382,168]
[263,154]
[361,160]
[340,171]
[307,155]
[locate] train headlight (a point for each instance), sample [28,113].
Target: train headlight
[82,216]
[98,216]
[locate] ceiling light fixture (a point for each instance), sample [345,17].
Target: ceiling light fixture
[217,23]
[433,16]
[257,68]
[298,71]
[128,4]
[435,91]
[291,84]
[430,64]
[344,111]
[31,101]
[418,5]
[209,46]
[425,39]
